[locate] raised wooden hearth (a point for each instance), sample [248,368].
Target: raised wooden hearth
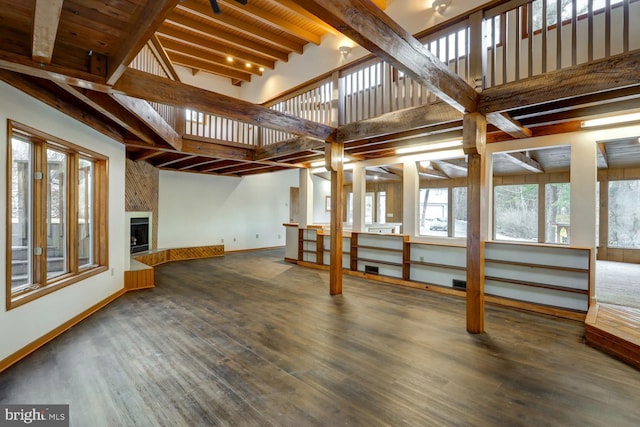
[615,330]
[140,276]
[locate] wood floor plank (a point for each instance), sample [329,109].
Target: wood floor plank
[248,339]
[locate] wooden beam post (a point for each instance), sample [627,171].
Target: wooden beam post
[474,139]
[334,162]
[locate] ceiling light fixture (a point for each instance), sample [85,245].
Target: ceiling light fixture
[429,147]
[439,6]
[229,59]
[613,120]
[345,51]
[248,65]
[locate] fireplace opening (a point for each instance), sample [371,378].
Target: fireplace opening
[139,234]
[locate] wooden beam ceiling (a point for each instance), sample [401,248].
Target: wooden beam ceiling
[142,85]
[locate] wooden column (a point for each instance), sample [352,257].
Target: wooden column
[474,139]
[334,162]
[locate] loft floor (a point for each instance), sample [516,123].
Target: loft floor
[248,339]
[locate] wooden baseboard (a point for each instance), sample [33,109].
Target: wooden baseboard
[30,348]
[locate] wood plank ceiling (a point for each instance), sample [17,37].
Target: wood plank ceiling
[240,42]
[73,55]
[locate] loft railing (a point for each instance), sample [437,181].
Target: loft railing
[522,38]
[314,102]
[527,38]
[147,61]
[219,128]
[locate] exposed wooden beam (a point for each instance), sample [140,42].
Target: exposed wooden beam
[603,159]
[237,25]
[291,146]
[141,30]
[603,75]
[198,162]
[371,28]
[45,27]
[524,161]
[28,86]
[158,49]
[176,159]
[383,174]
[146,155]
[273,20]
[24,65]
[380,146]
[431,173]
[506,124]
[143,85]
[208,149]
[145,112]
[112,110]
[421,117]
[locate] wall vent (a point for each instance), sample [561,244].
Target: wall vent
[459,284]
[371,269]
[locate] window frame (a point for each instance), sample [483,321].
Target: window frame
[40,285]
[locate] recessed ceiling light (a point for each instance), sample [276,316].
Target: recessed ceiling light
[261,69]
[247,65]
[229,59]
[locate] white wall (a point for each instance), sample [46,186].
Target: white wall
[321,189]
[26,323]
[198,210]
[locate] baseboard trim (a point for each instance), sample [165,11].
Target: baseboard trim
[30,348]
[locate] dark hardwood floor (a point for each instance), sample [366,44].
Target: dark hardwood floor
[248,339]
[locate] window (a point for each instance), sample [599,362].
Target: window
[368,208]
[557,215]
[57,209]
[566,11]
[460,211]
[624,214]
[434,211]
[516,212]
[382,207]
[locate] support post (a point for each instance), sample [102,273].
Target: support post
[474,140]
[334,162]
[410,192]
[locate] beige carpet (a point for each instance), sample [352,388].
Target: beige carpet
[618,283]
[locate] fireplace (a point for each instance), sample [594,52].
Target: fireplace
[139,236]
